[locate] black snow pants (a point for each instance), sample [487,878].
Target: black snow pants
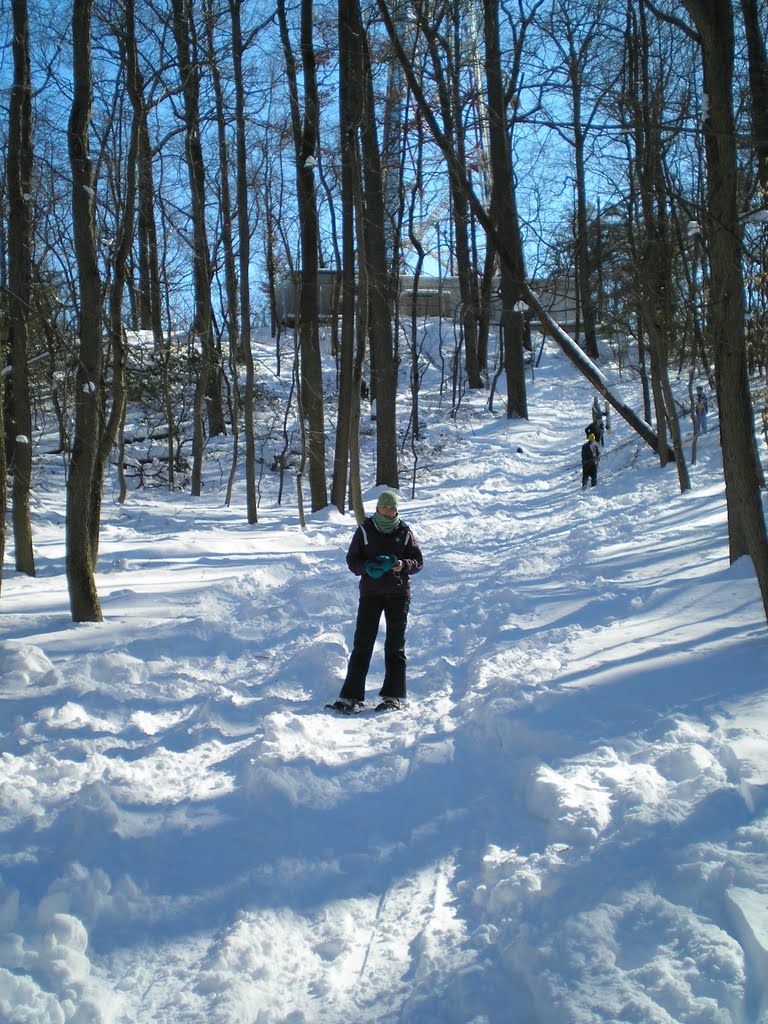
[369,611]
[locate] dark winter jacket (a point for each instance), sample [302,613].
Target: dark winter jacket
[590,454]
[368,542]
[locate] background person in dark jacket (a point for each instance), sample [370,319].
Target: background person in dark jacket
[385,554]
[590,459]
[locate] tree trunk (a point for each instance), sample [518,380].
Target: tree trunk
[150,300]
[362,317]
[505,218]
[453,121]
[83,598]
[243,229]
[583,259]
[231,311]
[420,257]
[304,126]
[123,245]
[349,118]
[19,171]
[758,87]
[746,523]
[383,364]
[184,34]
[655,260]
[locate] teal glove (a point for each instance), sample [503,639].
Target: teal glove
[376,567]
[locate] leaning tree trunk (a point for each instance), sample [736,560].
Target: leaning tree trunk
[746,522]
[83,598]
[19,170]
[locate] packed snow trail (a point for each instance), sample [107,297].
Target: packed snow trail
[566,824]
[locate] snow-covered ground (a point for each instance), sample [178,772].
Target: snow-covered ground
[566,826]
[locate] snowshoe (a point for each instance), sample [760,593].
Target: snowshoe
[389,704]
[346,707]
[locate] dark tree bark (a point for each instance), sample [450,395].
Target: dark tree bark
[654,261]
[362,315]
[758,87]
[575,31]
[244,239]
[349,119]
[150,301]
[383,362]
[305,128]
[447,68]
[420,257]
[231,327]
[583,258]
[189,75]
[19,171]
[231,310]
[746,522]
[505,218]
[124,236]
[149,305]
[80,542]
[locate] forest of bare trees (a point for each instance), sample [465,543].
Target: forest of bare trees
[169,166]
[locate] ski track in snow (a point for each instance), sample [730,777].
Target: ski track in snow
[567,823]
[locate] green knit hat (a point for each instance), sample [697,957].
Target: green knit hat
[387,499]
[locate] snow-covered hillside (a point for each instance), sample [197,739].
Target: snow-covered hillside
[566,826]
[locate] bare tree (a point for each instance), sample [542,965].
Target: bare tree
[758,86]
[19,175]
[505,217]
[244,249]
[305,132]
[374,248]
[202,331]
[746,523]
[654,256]
[126,183]
[80,540]
[578,32]
[446,52]
[349,119]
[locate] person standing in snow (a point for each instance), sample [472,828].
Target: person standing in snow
[590,459]
[598,428]
[384,553]
[700,408]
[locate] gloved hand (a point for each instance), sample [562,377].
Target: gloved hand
[376,567]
